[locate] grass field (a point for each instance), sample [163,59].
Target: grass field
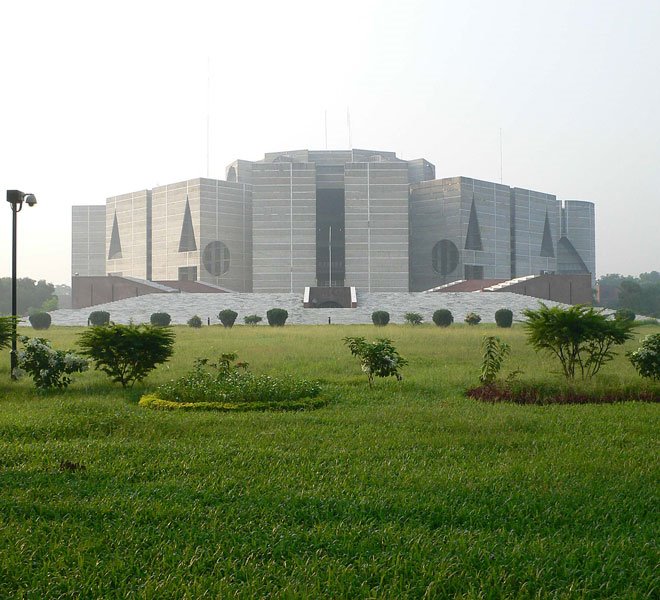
[408,490]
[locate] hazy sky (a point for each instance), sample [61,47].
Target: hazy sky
[106,98]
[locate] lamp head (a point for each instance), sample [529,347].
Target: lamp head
[30,199]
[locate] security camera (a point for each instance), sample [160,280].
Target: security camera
[30,199]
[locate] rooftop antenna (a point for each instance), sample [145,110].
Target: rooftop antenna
[501,159]
[348,124]
[326,128]
[208,113]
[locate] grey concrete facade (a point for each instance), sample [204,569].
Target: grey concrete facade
[88,240]
[305,218]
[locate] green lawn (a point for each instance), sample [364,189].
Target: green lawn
[406,490]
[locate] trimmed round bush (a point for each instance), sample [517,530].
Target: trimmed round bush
[160,319]
[40,320]
[99,317]
[625,314]
[277,317]
[195,322]
[252,319]
[227,317]
[472,318]
[504,317]
[443,317]
[380,318]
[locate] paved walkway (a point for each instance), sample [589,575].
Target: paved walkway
[184,305]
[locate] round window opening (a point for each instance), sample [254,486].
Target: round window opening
[216,258]
[444,257]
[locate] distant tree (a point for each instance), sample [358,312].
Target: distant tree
[29,294]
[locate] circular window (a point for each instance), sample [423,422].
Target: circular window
[216,258]
[444,257]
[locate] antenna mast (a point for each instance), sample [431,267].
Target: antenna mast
[501,159]
[348,124]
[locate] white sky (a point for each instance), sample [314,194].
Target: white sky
[98,99]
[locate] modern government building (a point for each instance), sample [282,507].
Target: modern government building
[356,218]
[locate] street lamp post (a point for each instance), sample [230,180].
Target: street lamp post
[16,199]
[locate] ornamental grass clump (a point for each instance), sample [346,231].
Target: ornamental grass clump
[228,385]
[48,368]
[127,353]
[378,359]
[6,331]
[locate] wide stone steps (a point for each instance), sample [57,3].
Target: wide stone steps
[184,305]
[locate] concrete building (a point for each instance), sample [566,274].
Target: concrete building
[359,218]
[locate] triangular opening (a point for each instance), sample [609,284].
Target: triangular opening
[115,243]
[187,241]
[547,247]
[568,259]
[473,237]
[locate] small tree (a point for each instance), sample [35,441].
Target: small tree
[195,322]
[504,317]
[495,351]
[40,320]
[413,318]
[472,318]
[581,338]
[227,317]
[277,317]
[160,319]
[379,358]
[443,317]
[646,359]
[252,319]
[380,318]
[99,317]
[127,353]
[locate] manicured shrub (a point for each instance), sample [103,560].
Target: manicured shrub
[228,386]
[413,318]
[580,337]
[380,318]
[495,351]
[277,317]
[40,320]
[472,318]
[252,319]
[504,317]
[160,319]
[227,317]
[48,368]
[127,353]
[379,358]
[646,359]
[443,317]
[625,314]
[99,317]
[195,322]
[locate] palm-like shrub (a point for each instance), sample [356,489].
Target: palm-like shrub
[443,317]
[127,353]
[580,337]
[6,331]
[227,317]
[380,318]
[504,317]
[160,319]
[99,317]
[277,317]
